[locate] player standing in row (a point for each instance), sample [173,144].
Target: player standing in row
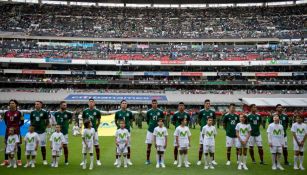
[152,117]
[122,137]
[183,141]
[160,140]
[203,116]
[56,144]
[127,116]
[31,142]
[176,120]
[13,119]
[255,121]
[299,131]
[208,139]
[243,132]
[284,121]
[230,120]
[88,140]
[92,114]
[40,120]
[64,118]
[276,141]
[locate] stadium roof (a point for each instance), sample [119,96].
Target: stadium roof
[177,1]
[268,102]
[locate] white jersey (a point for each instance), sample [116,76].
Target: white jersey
[209,133]
[161,134]
[300,130]
[88,136]
[243,130]
[57,139]
[276,134]
[31,140]
[122,136]
[183,134]
[11,142]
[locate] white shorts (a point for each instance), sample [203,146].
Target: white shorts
[209,148]
[57,152]
[201,138]
[183,146]
[96,139]
[239,144]
[65,139]
[230,142]
[42,139]
[276,149]
[121,149]
[10,150]
[297,148]
[149,138]
[160,148]
[255,140]
[286,142]
[30,153]
[87,149]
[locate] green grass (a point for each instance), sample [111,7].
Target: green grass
[138,155]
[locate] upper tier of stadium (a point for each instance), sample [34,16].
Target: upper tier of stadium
[282,22]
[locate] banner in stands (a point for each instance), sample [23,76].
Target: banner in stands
[266,74]
[23,129]
[82,97]
[192,74]
[25,71]
[172,62]
[76,72]
[156,73]
[107,125]
[94,81]
[58,60]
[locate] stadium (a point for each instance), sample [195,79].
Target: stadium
[108,52]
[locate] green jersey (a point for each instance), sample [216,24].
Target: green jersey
[93,115]
[124,115]
[231,121]
[254,121]
[152,117]
[40,120]
[203,117]
[283,120]
[63,119]
[180,115]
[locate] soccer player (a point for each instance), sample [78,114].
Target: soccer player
[160,140]
[94,115]
[202,120]
[32,142]
[40,119]
[255,121]
[88,137]
[152,117]
[299,131]
[176,121]
[230,120]
[243,132]
[183,139]
[56,144]
[276,141]
[284,121]
[11,147]
[122,137]
[208,134]
[13,119]
[124,114]
[64,118]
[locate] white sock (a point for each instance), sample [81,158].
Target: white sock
[273,159]
[244,160]
[92,159]
[157,157]
[239,159]
[180,159]
[206,160]
[277,159]
[162,158]
[295,160]
[84,158]
[301,160]
[57,160]
[125,160]
[185,158]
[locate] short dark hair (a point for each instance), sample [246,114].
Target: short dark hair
[123,101]
[209,118]
[62,102]
[161,119]
[154,100]
[207,100]
[180,103]
[39,102]
[86,123]
[245,118]
[181,120]
[252,105]
[231,104]
[91,99]
[278,105]
[15,101]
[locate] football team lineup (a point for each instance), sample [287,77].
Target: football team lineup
[243,132]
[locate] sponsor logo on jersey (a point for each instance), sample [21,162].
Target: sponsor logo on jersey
[30,140]
[300,131]
[243,131]
[276,132]
[160,134]
[122,135]
[209,134]
[183,134]
[12,140]
[57,139]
